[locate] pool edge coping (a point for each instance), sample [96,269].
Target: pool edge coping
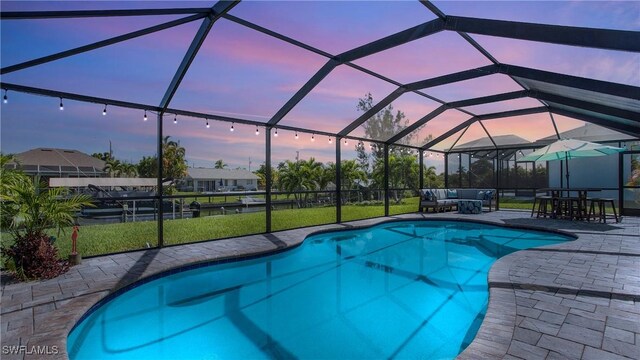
[476,346]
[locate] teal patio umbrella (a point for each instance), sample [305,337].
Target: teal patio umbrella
[570,149]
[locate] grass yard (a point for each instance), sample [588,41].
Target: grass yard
[108,238]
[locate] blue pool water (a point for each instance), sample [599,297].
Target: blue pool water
[411,289]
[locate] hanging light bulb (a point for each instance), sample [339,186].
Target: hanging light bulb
[329,139]
[175,118]
[231,129]
[346,142]
[257,131]
[5,99]
[145,118]
[207,124]
[61,105]
[313,137]
[104,111]
[296,135]
[276,133]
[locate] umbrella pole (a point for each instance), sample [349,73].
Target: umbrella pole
[566,167]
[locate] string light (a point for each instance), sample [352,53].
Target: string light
[104,111]
[257,131]
[296,135]
[207,124]
[61,105]
[370,146]
[5,99]
[175,118]
[346,142]
[313,137]
[145,116]
[231,129]
[329,139]
[276,133]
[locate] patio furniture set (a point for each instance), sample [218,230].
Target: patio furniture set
[561,205]
[465,201]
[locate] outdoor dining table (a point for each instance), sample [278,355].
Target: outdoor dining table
[557,195]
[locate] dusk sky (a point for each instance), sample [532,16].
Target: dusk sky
[242,73]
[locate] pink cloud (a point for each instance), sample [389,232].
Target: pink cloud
[614,66]
[435,55]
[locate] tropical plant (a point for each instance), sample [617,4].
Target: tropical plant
[294,178]
[174,164]
[148,167]
[28,211]
[128,169]
[431,178]
[104,156]
[262,177]
[220,164]
[113,167]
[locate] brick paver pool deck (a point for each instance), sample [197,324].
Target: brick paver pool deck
[576,300]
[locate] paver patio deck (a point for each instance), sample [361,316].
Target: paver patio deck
[577,300]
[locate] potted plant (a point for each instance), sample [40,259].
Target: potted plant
[28,212]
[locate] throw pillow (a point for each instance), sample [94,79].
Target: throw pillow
[488,195]
[481,195]
[452,194]
[427,195]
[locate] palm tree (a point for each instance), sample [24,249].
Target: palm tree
[220,164]
[128,170]
[29,212]
[174,165]
[351,172]
[327,176]
[113,167]
[294,179]
[430,177]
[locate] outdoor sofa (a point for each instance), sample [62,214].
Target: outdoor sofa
[447,199]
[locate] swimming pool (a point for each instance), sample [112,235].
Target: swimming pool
[408,289]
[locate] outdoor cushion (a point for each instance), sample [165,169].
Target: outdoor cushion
[488,195]
[481,195]
[427,195]
[452,194]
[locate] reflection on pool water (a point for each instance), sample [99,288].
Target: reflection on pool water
[410,289]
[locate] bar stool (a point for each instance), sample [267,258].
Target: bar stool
[601,215]
[543,204]
[568,208]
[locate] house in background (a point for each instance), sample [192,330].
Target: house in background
[46,163]
[208,179]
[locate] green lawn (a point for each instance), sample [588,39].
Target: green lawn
[108,238]
[511,203]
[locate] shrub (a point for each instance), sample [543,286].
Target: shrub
[35,257]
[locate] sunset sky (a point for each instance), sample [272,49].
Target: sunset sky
[242,73]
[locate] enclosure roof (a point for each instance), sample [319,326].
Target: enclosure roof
[288,65]
[589,132]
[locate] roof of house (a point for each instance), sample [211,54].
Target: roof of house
[224,174]
[58,157]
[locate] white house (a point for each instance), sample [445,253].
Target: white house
[207,179]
